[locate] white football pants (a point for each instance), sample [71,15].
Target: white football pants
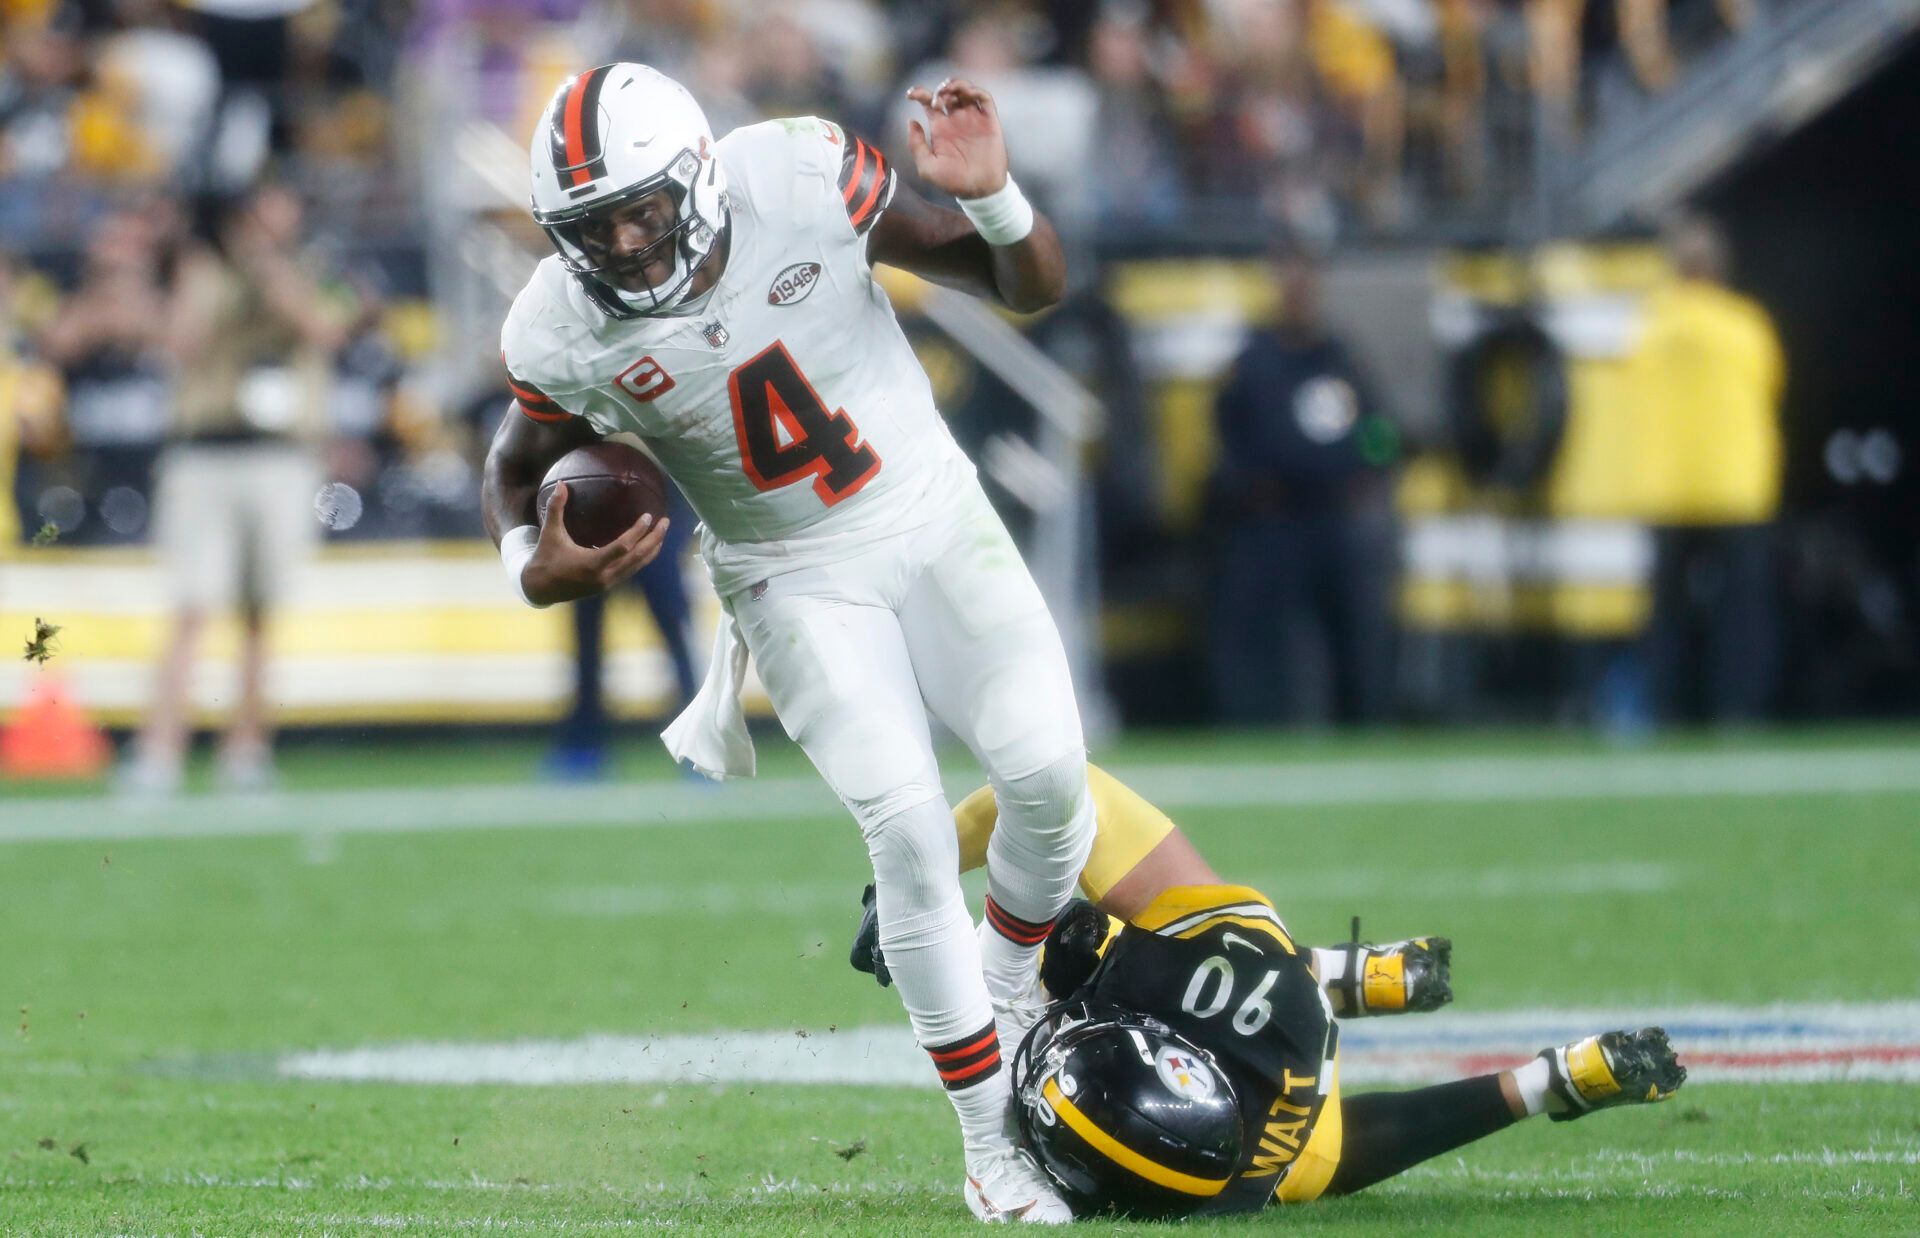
[944,618]
[853,654]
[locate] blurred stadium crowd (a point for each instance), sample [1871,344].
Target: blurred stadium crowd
[1139,124]
[1327,115]
[136,137]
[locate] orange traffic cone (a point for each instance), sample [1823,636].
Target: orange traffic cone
[52,737]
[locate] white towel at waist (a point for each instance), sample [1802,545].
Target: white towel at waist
[711,732]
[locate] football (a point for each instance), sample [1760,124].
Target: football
[609,486]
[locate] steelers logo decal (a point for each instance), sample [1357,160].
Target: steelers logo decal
[1184,1074]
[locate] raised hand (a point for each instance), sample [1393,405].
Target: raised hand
[960,148]
[562,570]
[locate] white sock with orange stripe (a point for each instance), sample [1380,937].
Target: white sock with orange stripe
[976,1080]
[1034,858]
[1010,950]
[928,938]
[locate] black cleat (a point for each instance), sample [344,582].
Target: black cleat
[1426,968]
[1074,946]
[1613,1068]
[865,955]
[1400,977]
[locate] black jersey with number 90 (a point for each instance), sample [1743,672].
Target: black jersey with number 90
[1228,978]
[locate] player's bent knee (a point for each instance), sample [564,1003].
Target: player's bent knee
[1049,809]
[1040,737]
[916,857]
[896,808]
[877,767]
[1053,790]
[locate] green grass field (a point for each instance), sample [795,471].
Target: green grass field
[160,965]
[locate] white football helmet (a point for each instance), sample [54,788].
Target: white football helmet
[613,135]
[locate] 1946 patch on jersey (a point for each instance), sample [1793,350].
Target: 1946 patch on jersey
[792,285]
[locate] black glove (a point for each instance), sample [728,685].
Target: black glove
[865,955]
[1073,948]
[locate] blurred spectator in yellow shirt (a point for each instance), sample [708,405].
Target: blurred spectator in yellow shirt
[1707,376]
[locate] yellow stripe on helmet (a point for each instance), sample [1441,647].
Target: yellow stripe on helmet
[1123,1156]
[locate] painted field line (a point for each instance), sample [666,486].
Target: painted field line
[619,902]
[1303,884]
[1602,776]
[768,1189]
[1307,883]
[1606,1165]
[399,810]
[1800,1043]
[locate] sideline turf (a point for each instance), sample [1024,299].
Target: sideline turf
[150,970]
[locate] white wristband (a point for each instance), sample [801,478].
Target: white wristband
[515,549]
[1003,217]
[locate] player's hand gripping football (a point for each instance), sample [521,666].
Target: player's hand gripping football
[960,148]
[562,570]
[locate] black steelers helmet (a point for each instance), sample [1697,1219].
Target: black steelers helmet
[1124,1113]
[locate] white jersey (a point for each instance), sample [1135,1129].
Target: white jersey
[789,407]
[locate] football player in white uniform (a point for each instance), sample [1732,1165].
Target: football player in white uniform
[716,299]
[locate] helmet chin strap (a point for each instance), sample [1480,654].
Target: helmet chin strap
[680,279]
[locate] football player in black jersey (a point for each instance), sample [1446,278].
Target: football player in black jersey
[1192,1063]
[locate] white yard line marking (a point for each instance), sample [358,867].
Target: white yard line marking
[696,898]
[1299,885]
[768,1187]
[1824,1157]
[1413,780]
[1307,884]
[1785,1043]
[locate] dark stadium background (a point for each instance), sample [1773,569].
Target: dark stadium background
[1816,237]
